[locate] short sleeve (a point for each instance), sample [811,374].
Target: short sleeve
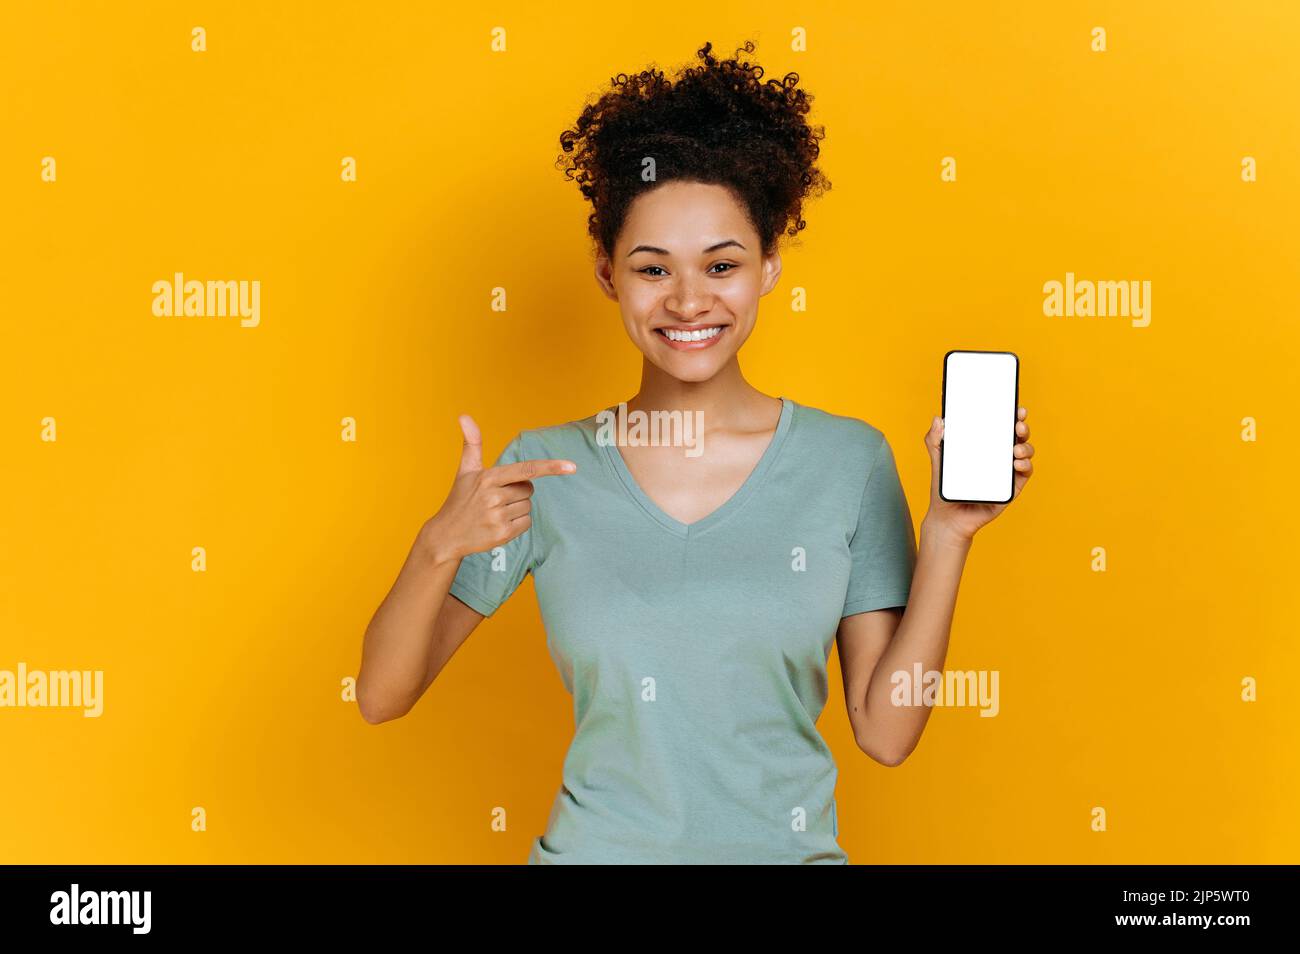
[486,580]
[883,547]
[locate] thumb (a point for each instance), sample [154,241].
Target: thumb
[471,454]
[932,439]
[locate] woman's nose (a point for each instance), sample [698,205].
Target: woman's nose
[688,299]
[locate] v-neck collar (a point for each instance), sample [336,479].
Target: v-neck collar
[733,503]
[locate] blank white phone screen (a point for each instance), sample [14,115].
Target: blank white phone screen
[979,422]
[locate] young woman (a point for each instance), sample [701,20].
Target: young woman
[691,594]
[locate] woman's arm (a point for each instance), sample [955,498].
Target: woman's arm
[413,633]
[876,645]
[416,629]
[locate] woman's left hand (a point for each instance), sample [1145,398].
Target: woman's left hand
[963,519]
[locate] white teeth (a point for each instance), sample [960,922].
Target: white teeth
[704,335]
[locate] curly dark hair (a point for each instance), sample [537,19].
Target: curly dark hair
[718,123]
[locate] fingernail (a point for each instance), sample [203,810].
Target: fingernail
[569,468]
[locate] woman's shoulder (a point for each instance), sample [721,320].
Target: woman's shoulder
[566,440]
[838,431]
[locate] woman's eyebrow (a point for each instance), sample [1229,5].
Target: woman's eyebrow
[663,251]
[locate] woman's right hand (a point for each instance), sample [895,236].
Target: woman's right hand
[486,508]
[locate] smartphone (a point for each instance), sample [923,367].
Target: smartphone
[981,391]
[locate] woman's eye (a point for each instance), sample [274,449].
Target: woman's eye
[728,265]
[655,271]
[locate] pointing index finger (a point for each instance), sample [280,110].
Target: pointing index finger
[528,469]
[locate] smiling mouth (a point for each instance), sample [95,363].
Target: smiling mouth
[692,339]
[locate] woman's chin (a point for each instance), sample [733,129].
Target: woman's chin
[692,369]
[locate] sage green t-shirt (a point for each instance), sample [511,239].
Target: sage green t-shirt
[696,653]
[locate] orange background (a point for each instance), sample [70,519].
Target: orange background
[222,689]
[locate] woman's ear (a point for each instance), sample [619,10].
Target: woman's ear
[605,276]
[771,272]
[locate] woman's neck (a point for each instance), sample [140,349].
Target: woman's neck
[728,402]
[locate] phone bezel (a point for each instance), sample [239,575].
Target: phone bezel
[1015,405]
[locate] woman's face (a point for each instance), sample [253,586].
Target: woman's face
[687,272]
